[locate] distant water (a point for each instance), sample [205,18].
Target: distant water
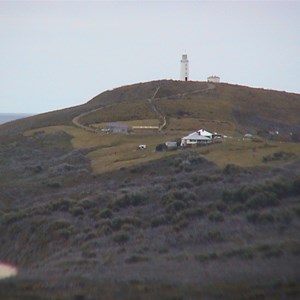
[10,117]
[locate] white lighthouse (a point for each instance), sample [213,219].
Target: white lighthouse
[184,68]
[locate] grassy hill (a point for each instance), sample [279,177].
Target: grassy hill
[249,109]
[85,215]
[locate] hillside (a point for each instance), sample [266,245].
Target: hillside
[249,109]
[85,215]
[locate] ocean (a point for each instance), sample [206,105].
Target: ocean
[10,117]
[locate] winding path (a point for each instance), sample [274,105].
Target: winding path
[76,120]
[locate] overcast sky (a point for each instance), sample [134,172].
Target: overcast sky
[59,54]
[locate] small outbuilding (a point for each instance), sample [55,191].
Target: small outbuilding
[214,79]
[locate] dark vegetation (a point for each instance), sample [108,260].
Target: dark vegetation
[175,228]
[143,224]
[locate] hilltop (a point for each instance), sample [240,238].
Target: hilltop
[85,215]
[246,109]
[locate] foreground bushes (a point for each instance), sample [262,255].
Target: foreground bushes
[260,196]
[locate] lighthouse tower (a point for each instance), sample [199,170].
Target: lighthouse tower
[184,68]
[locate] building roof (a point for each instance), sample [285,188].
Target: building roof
[204,132]
[196,136]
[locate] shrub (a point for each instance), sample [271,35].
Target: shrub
[77,211]
[215,236]
[54,185]
[106,214]
[247,253]
[262,199]
[279,188]
[284,217]
[194,212]
[176,206]
[293,246]
[260,217]
[121,237]
[181,224]
[88,254]
[198,180]
[87,204]
[295,186]
[128,200]
[184,184]
[221,206]
[64,233]
[231,169]
[136,259]
[216,217]
[62,205]
[171,196]
[118,222]
[204,257]
[159,220]
[296,209]
[59,224]
[237,208]
[268,251]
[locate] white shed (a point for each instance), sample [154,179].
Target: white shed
[214,79]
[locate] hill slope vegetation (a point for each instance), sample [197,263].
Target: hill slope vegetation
[83,216]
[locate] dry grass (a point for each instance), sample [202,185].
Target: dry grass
[192,124]
[197,107]
[115,151]
[246,153]
[125,153]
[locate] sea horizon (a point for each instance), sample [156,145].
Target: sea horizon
[7,117]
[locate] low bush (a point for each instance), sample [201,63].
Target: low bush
[121,237]
[180,224]
[296,209]
[87,204]
[77,211]
[231,169]
[284,217]
[295,186]
[194,212]
[262,199]
[184,184]
[198,180]
[216,217]
[61,205]
[237,208]
[171,196]
[292,246]
[129,200]
[106,214]
[159,220]
[118,222]
[206,256]
[260,217]
[175,206]
[54,184]
[247,253]
[268,251]
[136,259]
[214,236]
